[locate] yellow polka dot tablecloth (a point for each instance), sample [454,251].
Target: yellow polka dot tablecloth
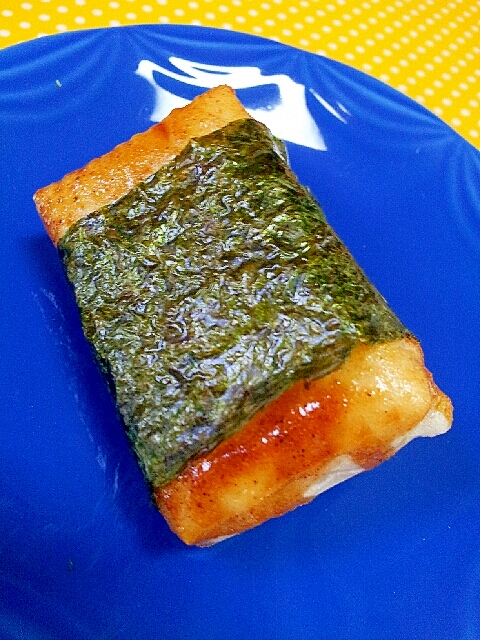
[428,50]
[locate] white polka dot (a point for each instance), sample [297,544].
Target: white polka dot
[456,122]
[62,9]
[7,13]
[97,12]
[332,46]
[210,16]
[147,8]
[26,5]
[4,33]
[428,91]
[438,111]
[474,133]
[114,23]
[24,25]
[79,20]
[286,32]
[240,19]
[44,17]
[447,102]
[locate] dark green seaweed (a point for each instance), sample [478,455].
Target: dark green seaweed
[212,287]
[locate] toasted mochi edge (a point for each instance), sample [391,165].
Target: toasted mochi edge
[109,177]
[186,499]
[343,467]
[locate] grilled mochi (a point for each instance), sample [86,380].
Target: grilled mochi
[253,363]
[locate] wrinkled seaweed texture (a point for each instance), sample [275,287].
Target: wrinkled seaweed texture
[212,287]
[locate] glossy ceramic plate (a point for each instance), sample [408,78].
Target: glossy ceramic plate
[393,553]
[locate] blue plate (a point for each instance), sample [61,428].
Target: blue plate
[393,553]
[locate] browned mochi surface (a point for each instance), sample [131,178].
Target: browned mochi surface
[317,433]
[107,178]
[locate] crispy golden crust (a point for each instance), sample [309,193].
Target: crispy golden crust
[105,179]
[355,415]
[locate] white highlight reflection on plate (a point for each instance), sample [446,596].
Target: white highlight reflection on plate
[288,118]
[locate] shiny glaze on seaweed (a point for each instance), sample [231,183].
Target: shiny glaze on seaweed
[210,289]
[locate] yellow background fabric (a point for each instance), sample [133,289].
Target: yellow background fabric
[428,50]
